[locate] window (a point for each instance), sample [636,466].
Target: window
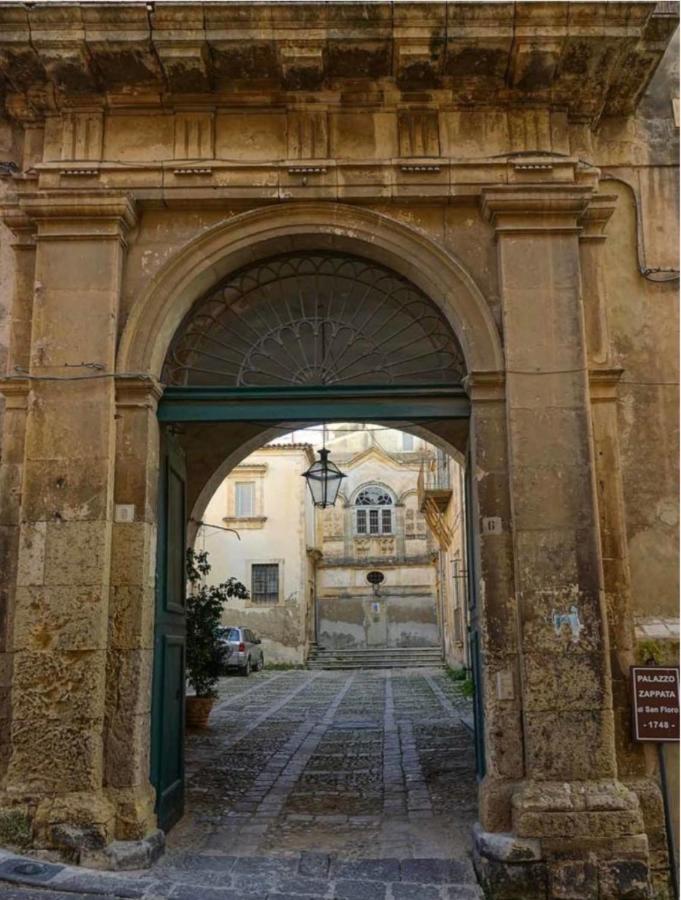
[244,499]
[373,514]
[265,583]
[407,441]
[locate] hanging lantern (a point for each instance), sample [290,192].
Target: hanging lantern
[324,480]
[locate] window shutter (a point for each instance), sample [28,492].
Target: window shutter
[244,498]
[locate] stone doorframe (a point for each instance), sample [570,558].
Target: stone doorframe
[553,803]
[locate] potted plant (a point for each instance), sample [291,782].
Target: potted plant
[205,603]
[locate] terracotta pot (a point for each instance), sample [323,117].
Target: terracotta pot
[198,710]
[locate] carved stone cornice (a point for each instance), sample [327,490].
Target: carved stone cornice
[77,215]
[137,392]
[591,58]
[603,384]
[539,208]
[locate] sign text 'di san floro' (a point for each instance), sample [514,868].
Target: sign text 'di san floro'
[656,703]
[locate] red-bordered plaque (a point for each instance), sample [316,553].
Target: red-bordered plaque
[656,702]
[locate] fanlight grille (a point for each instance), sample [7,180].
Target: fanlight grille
[314,319]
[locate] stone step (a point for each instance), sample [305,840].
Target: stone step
[376,658]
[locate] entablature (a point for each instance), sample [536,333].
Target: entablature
[590,58]
[450,181]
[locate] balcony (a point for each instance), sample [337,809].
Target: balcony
[434,486]
[434,489]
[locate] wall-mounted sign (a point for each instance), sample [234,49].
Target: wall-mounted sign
[656,703]
[375,577]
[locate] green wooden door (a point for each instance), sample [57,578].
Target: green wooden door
[475,650]
[167,737]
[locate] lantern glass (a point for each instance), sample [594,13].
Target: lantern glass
[324,480]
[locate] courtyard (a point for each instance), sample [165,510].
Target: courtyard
[356,785]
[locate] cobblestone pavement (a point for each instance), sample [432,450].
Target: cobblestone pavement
[368,773]
[336,785]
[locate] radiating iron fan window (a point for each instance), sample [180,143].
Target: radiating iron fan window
[314,318]
[265,583]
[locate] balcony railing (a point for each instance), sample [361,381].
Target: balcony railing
[435,483]
[434,489]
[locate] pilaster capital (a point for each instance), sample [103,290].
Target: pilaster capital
[535,209]
[485,386]
[21,226]
[596,217]
[603,384]
[137,392]
[104,215]
[15,390]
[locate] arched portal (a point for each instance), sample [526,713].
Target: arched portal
[279,317]
[357,334]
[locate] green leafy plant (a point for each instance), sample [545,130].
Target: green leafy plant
[456,674]
[205,603]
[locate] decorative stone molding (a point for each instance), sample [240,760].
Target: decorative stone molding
[540,208]
[607,53]
[79,173]
[137,392]
[15,390]
[596,217]
[603,384]
[22,227]
[484,387]
[307,134]
[102,215]
[418,133]
[194,135]
[82,135]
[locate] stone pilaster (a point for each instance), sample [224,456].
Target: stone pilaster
[15,393]
[496,599]
[60,624]
[569,792]
[15,389]
[132,608]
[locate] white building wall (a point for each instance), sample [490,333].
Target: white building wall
[279,532]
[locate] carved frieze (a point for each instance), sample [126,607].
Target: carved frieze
[194,135]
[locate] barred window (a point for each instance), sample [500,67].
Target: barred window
[265,583]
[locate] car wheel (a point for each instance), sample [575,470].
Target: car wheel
[246,671]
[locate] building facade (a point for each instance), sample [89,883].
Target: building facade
[497,179]
[306,568]
[377,526]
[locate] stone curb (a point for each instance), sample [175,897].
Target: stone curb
[364,879]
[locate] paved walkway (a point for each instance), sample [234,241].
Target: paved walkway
[335,785]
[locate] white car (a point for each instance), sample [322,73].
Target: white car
[242,650]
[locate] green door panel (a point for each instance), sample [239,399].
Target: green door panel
[167,725]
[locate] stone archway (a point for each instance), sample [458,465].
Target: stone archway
[209,259]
